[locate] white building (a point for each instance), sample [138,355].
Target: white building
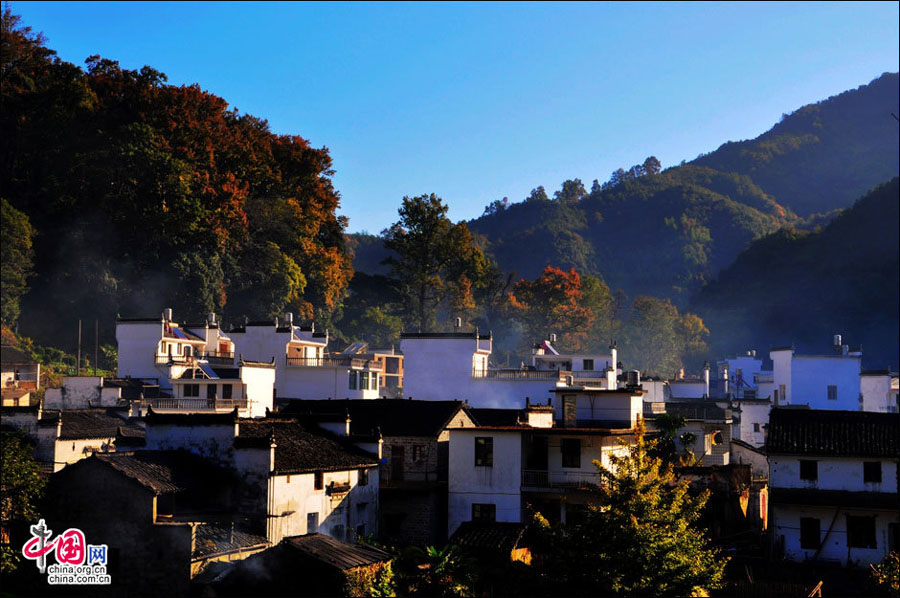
[455,365]
[818,381]
[160,349]
[303,370]
[736,376]
[879,391]
[751,418]
[248,387]
[540,457]
[292,481]
[833,484]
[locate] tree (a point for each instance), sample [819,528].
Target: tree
[16,261]
[431,253]
[572,192]
[496,206]
[639,537]
[538,194]
[436,572]
[21,485]
[552,303]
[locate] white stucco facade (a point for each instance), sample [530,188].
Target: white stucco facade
[879,392]
[819,381]
[753,418]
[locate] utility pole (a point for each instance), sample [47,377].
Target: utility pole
[78,358]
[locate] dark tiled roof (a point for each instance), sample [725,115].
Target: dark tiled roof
[12,355]
[496,417]
[90,423]
[337,554]
[494,536]
[190,419]
[167,471]
[395,417]
[300,451]
[214,539]
[833,433]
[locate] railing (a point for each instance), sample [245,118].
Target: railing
[579,374]
[563,480]
[762,378]
[516,374]
[219,357]
[179,359]
[196,404]
[314,362]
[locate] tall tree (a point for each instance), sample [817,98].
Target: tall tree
[21,486]
[572,192]
[432,255]
[639,537]
[16,261]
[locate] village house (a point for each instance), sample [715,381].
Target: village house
[456,365]
[88,392]
[818,381]
[17,370]
[539,458]
[164,515]
[833,484]
[879,391]
[65,437]
[303,369]
[292,481]
[159,349]
[415,458]
[708,424]
[390,381]
[247,386]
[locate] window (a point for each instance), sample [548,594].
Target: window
[832,392]
[192,390]
[361,530]
[861,532]
[418,452]
[484,512]
[352,380]
[337,532]
[588,365]
[784,397]
[210,391]
[226,391]
[756,427]
[363,477]
[809,470]
[484,452]
[810,533]
[872,472]
[571,452]
[317,480]
[364,380]
[312,523]
[374,381]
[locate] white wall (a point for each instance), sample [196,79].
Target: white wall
[759,464]
[786,520]
[435,367]
[781,376]
[622,407]
[833,474]
[499,485]
[138,344]
[753,412]
[260,386]
[879,392]
[321,382]
[811,376]
[680,389]
[296,495]
[214,442]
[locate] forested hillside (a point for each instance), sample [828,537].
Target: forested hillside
[825,155]
[129,195]
[801,287]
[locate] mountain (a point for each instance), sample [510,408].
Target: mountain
[824,155]
[804,287]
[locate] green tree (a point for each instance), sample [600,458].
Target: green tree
[572,191]
[21,486]
[16,261]
[436,572]
[431,253]
[638,538]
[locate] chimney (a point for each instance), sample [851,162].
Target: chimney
[458,323]
[167,314]
[288,318]
[347,424]
[553,338]
[211,319]
[725,375]
[59,424]
[272,446]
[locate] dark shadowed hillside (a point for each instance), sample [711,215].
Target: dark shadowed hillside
[824,155]
[804,287]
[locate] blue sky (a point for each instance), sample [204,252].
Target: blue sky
[474,101]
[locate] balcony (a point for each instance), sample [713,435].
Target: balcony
[586,374]
[768,377]
[345,362]
[219,358]
[176,359]
[195,404]
[516,374]
[559,480]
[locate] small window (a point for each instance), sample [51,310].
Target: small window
[210,391]
[363,477]
[756,427]
[832,392]
[418,451]
[317,481]
[374,381]
[484,512]
[484,452]
[588,365]
[226,391]
[861,532]
[364,380]
[352,380]
[312,523]
[809,470]
[361,530]
[571,452]
[192,390]
[872,472]
[810,533]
